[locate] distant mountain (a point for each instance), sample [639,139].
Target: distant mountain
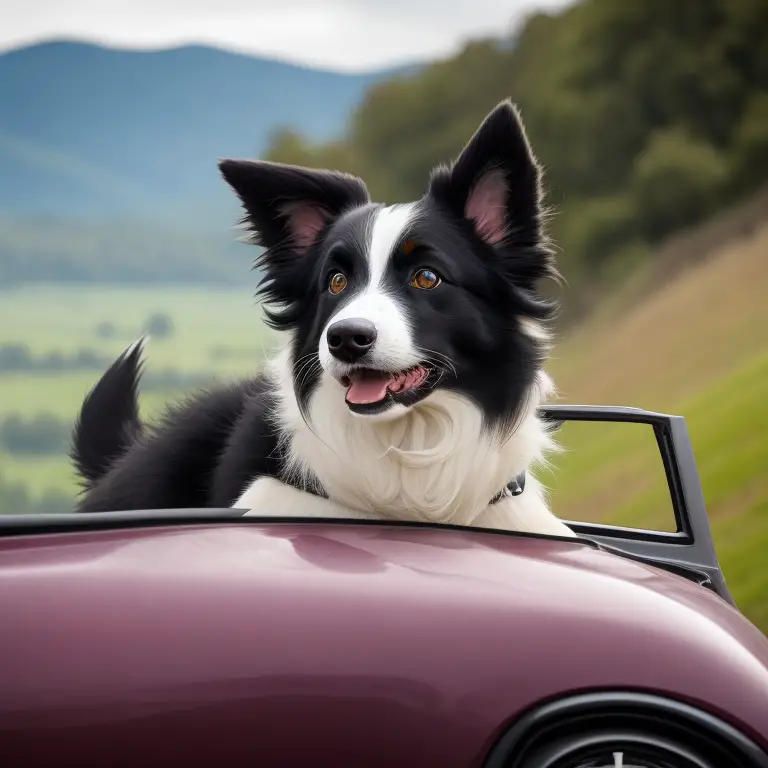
[89,132]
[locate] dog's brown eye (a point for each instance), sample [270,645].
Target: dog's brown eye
[337,284]
[425,279]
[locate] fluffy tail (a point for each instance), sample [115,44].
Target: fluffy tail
[108,421]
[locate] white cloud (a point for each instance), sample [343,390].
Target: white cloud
[339,34]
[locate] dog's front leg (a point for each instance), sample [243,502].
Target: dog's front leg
[267,497]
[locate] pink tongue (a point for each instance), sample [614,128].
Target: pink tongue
[367,387]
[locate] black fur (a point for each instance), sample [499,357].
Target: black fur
[525,256]
[201,454]
[206,451]
[264,189]
[109,418]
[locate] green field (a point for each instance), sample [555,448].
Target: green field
[695,347]
[217,332]
[64,319]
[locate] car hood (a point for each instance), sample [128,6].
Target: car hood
[457,629]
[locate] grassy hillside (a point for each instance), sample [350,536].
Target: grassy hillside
[696,347]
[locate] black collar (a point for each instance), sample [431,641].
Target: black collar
[513,488]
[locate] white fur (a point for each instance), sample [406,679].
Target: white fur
[435,463]
[394,349]
[268,496]
[535,330]
[140,345]
[389,225]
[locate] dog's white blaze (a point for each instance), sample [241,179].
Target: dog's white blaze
[394,348]
[389,224]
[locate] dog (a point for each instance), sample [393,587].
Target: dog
[410,371]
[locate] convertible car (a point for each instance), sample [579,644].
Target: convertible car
[209,638]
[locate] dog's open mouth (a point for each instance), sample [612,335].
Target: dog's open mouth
[368,389]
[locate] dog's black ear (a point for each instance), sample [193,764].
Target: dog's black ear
[495,182]
[290,206]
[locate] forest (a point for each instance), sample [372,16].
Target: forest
[647,116]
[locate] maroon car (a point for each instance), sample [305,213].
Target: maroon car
[206,638]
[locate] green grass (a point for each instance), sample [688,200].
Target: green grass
[64,318]
[39,473]
[60,395]
[614,475]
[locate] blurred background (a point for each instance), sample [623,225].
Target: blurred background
[650,117]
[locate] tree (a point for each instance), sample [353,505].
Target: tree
[677,181]
[647,115]
[159,325]
[106,330]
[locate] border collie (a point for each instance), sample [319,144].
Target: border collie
[411,365]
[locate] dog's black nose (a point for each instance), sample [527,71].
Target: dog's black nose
[349,340]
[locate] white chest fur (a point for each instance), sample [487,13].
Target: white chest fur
[434,463]
[267,496]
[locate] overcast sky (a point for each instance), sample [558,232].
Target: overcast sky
[338,34]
